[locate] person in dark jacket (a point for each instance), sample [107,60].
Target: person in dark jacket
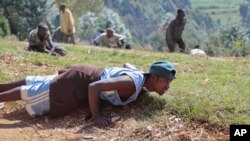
[58,95]
[174,32]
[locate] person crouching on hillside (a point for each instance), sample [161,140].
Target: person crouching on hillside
[111,40]
[58,95]
[40,41]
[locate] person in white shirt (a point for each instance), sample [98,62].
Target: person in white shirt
[111,40]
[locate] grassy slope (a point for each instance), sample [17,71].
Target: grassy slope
[217,3]
[206,89]
[228,10]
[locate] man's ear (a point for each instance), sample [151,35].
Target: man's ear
[153,77]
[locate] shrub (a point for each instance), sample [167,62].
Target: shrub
[4,27]
[230,40]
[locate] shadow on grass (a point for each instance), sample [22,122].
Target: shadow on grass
[145,107]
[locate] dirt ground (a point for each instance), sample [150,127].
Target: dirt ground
[16,124]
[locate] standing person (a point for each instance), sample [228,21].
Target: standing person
[174,32]
[40,41]
[72,87]
[67,24]
[111,39]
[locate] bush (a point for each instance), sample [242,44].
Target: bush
[4,27]
[232,35]
[230,40]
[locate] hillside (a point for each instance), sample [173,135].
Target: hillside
[223,10]
[221,27]
[210,23]
[208,95]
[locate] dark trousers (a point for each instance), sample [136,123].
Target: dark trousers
[180,42]
[57,50]
[69,38]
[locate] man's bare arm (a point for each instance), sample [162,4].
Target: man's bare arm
[121,82]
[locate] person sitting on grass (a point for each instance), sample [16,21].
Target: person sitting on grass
[40,41]
[111,40]
[58,95]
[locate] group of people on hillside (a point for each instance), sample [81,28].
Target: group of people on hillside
[40,39]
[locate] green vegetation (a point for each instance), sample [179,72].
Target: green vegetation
[211,90]
[206,4]
[4,26]
[223,10]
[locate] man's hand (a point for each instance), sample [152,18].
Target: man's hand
[41,44]
[69,30]
[118,42]
[42,48]
[102,121]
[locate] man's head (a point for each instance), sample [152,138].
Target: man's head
[162,73]
[62,7]
[180,13]
[42,29]
[110,32]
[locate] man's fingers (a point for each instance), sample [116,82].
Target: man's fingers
[105,122]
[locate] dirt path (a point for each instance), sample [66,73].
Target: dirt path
[17,125]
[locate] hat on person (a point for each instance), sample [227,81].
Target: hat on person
[163,69]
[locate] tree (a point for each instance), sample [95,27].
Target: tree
[232,35]
[23,15]
[4,26]
[229,40]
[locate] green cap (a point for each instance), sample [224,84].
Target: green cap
[163,69]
